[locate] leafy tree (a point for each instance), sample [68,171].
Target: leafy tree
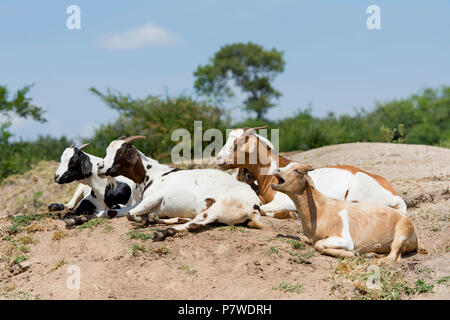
[16,157]
[156,118]
[250,67]
[20,104]
[19,156]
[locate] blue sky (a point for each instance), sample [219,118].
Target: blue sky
[333,62]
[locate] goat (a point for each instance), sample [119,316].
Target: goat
[340,228]
[96,193]
[246,149]
[192,197]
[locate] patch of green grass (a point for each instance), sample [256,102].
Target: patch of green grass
[36,197]
[20,258]
[7,238]
[135,248]
[14,229]
[134,234]
[298,258]
[20,296]
[91,224]
[26,240]
[230,228]
[392,284]
[298,245]
[243,230]
[57,265]
[289,287]
[23,249]
[273,250]
[189,270]
[25,220]
[19,222]
[308,254]
[108,228]
[445,280]
[423,287]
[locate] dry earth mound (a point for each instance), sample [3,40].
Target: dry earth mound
[39,256]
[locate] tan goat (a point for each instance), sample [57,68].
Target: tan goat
[340,228]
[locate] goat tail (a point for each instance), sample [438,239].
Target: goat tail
[255,219]
[400,205]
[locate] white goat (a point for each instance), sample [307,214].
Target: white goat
[192,197]
[341,182]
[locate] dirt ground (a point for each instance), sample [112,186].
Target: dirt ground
[116,261]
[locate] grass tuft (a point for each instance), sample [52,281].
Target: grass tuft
[289,287]
[134,234]
[136,248]
[189,270]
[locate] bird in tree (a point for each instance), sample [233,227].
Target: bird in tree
[247,66]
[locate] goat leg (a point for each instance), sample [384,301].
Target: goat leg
[160,235]
[78,220]
[56,207]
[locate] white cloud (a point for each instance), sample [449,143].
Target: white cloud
[147,35]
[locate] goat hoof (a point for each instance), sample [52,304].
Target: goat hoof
[55,207]
[152,220]
[171,232]
[133,218]
[137,219]
[111,213]
[159,235]
[70,223]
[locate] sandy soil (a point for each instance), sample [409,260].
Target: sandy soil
[117,261]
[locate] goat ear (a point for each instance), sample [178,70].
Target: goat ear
[86,166]
[309,181]
[252,144]
[249,145]
[131,154]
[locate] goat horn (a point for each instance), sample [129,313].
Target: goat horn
[121,138]
[132,138]
[260,127]
[251,130]
[72,145]
[83,146]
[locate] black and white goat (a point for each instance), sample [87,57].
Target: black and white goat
[94,194]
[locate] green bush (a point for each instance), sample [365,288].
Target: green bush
[156,118]
[17,157]
[422,118]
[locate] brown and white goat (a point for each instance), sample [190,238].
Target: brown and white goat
[341,228]
[245,149]
[192,197]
